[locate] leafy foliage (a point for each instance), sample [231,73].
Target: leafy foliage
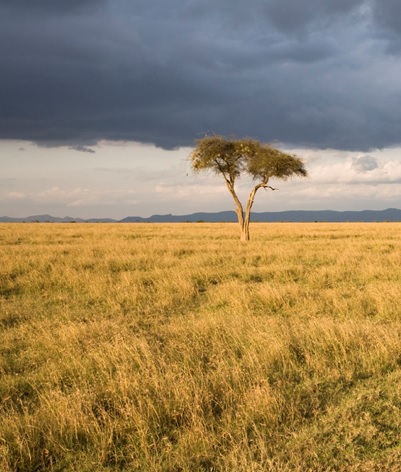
[233,157]
[219,155]
[270,162]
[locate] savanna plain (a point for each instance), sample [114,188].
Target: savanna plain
[176,347]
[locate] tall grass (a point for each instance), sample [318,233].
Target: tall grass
[178,348]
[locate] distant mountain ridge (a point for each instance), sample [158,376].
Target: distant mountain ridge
[390,214]
[53,219]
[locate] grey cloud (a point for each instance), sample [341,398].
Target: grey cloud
[310,50]
[7,181]
[290,16]
[82,149]
[365,163]
[50,6]
[388,14]
[166,72]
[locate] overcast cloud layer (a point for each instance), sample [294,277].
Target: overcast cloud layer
[312,73]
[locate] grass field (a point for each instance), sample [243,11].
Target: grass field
[175,347]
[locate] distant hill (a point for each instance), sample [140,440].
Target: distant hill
[391,214]
[52,219]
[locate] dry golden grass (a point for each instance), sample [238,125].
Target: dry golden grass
[175,347]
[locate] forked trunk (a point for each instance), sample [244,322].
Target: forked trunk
[244,218]
[245,236]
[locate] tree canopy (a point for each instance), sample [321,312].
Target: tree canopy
[234,157]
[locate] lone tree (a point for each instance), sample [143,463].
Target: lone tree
[231,158]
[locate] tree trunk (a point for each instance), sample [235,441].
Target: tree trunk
[245,231]
[239,211]
[244,218]
[245,236]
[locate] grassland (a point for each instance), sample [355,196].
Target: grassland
[178,348]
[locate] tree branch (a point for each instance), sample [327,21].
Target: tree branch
[223,173]
[268,186]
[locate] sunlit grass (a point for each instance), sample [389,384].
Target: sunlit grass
[175,347]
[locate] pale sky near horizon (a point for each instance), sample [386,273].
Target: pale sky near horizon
[133,179]
[101,101]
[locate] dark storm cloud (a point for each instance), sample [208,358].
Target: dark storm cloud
[388,14]
[50,6]
[313,72]
[293,17]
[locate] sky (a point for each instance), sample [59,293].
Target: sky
[101,102]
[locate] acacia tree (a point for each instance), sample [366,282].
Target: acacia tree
[231,158]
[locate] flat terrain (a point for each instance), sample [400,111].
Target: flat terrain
[175,347]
